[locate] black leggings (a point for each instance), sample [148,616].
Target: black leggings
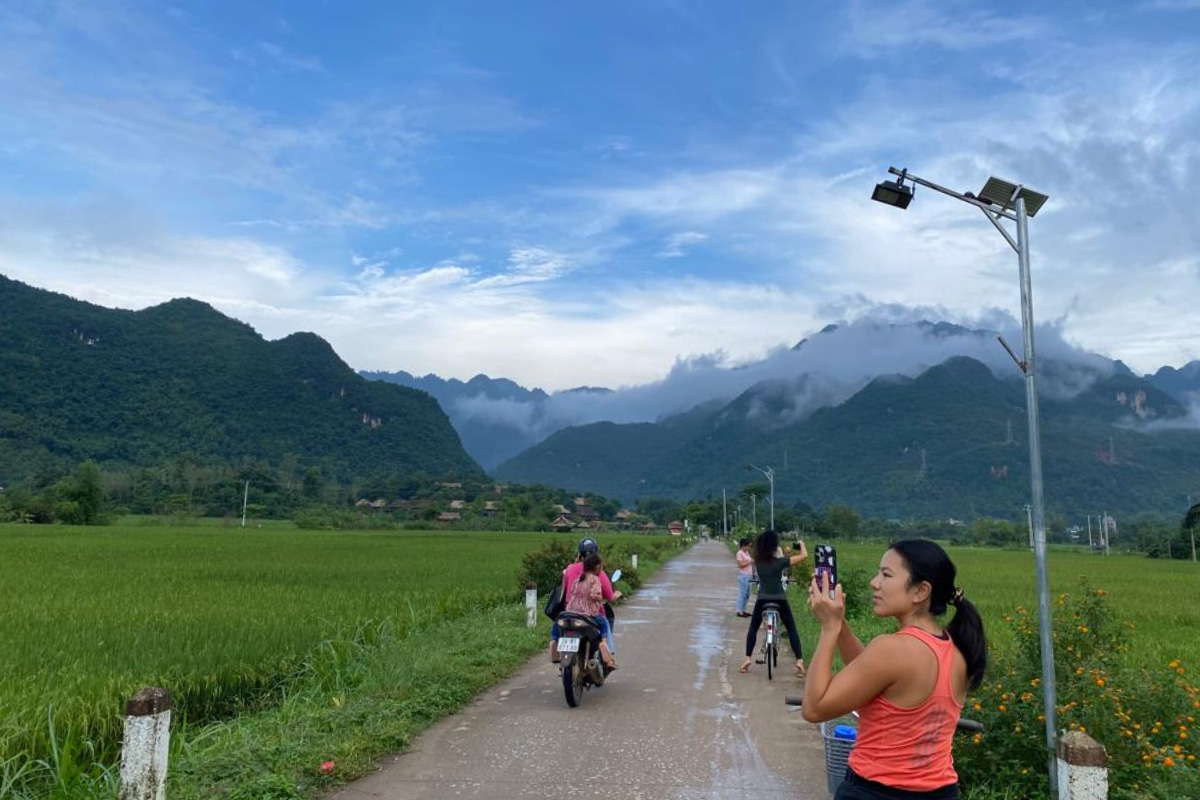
[789,622]
[855,787]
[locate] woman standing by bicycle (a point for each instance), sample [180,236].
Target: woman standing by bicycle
[908,687]
[770,563]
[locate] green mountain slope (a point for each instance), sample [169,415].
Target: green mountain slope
[136,388]
[952,442]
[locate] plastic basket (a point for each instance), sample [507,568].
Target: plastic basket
[837,748]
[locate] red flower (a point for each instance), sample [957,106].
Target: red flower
[327,767]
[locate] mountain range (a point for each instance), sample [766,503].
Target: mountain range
[131,389]
[897,420]
[947,436]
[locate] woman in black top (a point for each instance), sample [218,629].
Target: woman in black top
[770,563]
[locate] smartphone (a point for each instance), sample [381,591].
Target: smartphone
[826,564]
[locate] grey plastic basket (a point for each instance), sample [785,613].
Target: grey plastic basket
[837,751]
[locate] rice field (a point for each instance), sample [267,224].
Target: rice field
[1160,598]
[227,618]
[223,617]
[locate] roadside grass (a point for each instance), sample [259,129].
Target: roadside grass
[236,623]
[353,710]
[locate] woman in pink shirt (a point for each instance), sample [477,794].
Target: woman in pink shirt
[745,564]
[587,598]
[571,575]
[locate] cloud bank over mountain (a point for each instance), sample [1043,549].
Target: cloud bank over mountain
[824,369]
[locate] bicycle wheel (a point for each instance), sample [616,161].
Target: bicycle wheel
[769,655]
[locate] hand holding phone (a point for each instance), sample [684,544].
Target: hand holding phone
[826,567]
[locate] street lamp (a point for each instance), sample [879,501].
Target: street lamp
[1000,199]
[770,473]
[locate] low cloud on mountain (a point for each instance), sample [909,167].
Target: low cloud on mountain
[824,369]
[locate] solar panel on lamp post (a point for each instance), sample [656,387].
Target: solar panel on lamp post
[1001,199]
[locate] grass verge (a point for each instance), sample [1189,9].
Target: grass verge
[355,704]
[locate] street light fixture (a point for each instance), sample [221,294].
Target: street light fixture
[894,193]
[1001,199]
[770,473]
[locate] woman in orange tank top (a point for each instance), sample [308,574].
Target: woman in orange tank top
[908,686]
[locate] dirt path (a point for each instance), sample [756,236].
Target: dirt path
[677,720]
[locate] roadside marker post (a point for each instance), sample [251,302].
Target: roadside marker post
[146,744]
[531,605]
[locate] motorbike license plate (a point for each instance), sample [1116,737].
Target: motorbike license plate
[568,644]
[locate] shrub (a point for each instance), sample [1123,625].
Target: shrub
[1143,718]
[544,566]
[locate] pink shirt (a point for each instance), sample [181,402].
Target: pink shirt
[571,575]
[587,597]
[745,562]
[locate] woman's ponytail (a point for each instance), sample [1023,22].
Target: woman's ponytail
[966,631]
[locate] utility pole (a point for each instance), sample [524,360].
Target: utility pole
[724,512]
[754,510]
[245,500]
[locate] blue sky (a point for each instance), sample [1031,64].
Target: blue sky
[585,193]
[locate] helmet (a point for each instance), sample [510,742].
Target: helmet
[588,545]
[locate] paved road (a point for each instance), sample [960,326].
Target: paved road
[676,722]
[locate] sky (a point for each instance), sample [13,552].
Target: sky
[571,194]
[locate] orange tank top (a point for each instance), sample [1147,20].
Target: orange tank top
[910,748]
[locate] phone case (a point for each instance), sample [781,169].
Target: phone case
[826,564]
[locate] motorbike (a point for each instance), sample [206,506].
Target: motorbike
[579,648]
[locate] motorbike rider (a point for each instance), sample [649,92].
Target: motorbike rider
[587,598]
[571,574]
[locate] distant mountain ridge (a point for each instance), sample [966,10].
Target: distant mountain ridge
[494,437]
[130,389]
[950,442]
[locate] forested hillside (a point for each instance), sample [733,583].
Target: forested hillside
[124,388]
[952,442]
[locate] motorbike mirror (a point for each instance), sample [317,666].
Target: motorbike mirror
[616,576]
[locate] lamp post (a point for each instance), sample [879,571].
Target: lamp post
[770,473]
[1000,199]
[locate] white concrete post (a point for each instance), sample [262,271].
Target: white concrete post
[145,746]
[531,605]
[1082,768]
[633,560]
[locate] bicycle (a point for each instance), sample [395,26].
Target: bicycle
[769,651]
[770,645]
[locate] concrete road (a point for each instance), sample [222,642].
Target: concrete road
[676,721]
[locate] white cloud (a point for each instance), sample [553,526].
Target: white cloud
[677,244]
[876,27]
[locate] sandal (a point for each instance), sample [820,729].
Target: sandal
[745,666]
[801,670]
[610,666]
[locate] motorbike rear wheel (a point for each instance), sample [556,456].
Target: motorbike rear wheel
[572,676]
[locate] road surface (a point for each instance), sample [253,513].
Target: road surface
[676,722]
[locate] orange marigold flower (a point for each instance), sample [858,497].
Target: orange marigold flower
[1168,762]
